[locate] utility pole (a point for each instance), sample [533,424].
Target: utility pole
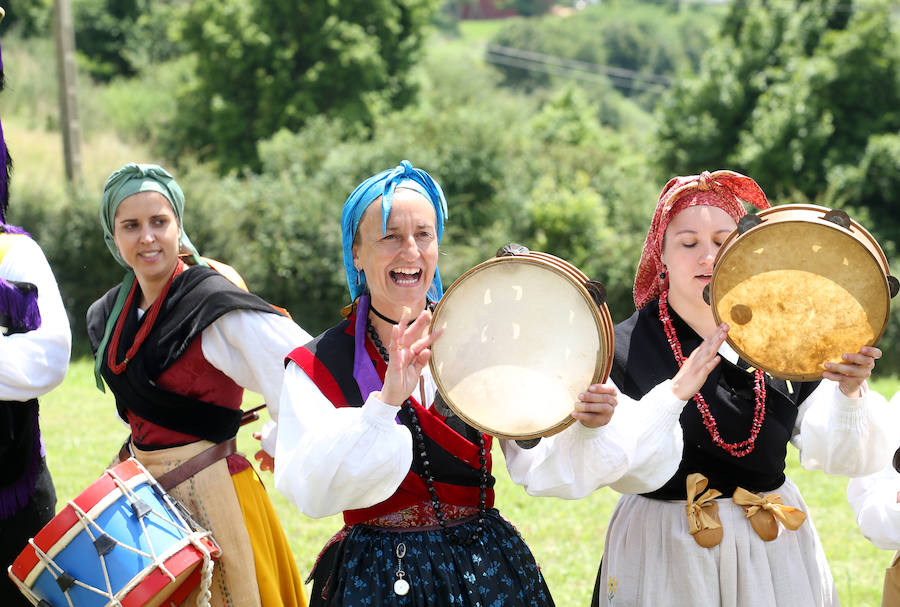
[64,31]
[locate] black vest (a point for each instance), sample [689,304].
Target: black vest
[644,358]
[334,349]
[197,297]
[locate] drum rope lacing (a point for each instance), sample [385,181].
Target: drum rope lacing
[193,536]
[744,447]
[426,464]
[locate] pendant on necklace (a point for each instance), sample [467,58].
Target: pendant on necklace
[401,587]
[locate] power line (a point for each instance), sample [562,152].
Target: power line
[573,68]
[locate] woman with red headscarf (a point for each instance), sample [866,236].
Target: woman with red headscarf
[728,528]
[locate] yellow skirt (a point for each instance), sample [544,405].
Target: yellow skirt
[276,571]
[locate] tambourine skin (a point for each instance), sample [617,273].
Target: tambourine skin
[799,290]
[522,338]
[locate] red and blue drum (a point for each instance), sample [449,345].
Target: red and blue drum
[123,540]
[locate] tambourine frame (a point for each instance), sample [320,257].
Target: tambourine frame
[603,359]
[863,239]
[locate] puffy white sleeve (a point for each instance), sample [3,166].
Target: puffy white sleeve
[874,502]
[330,459]
[249,347]
[846,436]
[33,363]
[638,451]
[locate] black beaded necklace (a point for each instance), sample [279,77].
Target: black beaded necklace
[426,464]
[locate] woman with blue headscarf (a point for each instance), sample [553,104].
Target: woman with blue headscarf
[358,431]
[177,343]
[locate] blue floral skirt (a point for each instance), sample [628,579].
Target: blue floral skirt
[497,570]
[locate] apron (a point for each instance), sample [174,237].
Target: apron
[211,499]
[891,595]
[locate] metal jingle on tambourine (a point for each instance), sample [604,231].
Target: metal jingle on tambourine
[597,291]
[893,285]
[530,443]
[512,249]
[838,217]
[746,222]
[441,406]
[706,295]
[896,461]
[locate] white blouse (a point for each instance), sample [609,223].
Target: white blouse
[874,497]
[33,363]
[331,459]
[250,347]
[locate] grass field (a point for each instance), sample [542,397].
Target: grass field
[83,434]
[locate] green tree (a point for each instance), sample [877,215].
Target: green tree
[789,92]
[119,37]
[29,17]
[266,65]
[647,40]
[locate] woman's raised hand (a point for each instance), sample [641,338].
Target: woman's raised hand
[409,352]
[853,371]
[697,367]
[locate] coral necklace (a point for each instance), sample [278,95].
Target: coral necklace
[149,321]
[744,447]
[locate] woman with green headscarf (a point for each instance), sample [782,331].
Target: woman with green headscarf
[173,342]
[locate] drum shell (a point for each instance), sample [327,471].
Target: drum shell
[797,239]
[558,272]
[136,580]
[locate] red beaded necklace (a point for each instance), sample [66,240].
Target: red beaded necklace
[759,388]
[149,321]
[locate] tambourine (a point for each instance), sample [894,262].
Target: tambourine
[800,285]
[524,333]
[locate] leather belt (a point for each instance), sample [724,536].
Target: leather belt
[186,470]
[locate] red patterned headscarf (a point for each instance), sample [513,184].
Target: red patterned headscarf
[721,189]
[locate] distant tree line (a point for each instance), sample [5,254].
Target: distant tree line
[270,112]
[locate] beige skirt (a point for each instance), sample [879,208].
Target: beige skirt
[650,559]
[891,594]
[211,499]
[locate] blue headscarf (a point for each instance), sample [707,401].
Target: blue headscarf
[383,184]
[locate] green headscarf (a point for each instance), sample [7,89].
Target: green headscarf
[132,179]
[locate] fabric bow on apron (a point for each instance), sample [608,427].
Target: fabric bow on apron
[703,514]
[762,511]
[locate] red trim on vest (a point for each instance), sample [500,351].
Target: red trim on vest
[319,374]
[413,489]
[433,425]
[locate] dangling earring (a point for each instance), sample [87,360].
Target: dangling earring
[663,280]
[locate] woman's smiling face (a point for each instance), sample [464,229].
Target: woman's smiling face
[399,264]
[147,235]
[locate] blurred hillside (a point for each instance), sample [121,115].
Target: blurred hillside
[557,131]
